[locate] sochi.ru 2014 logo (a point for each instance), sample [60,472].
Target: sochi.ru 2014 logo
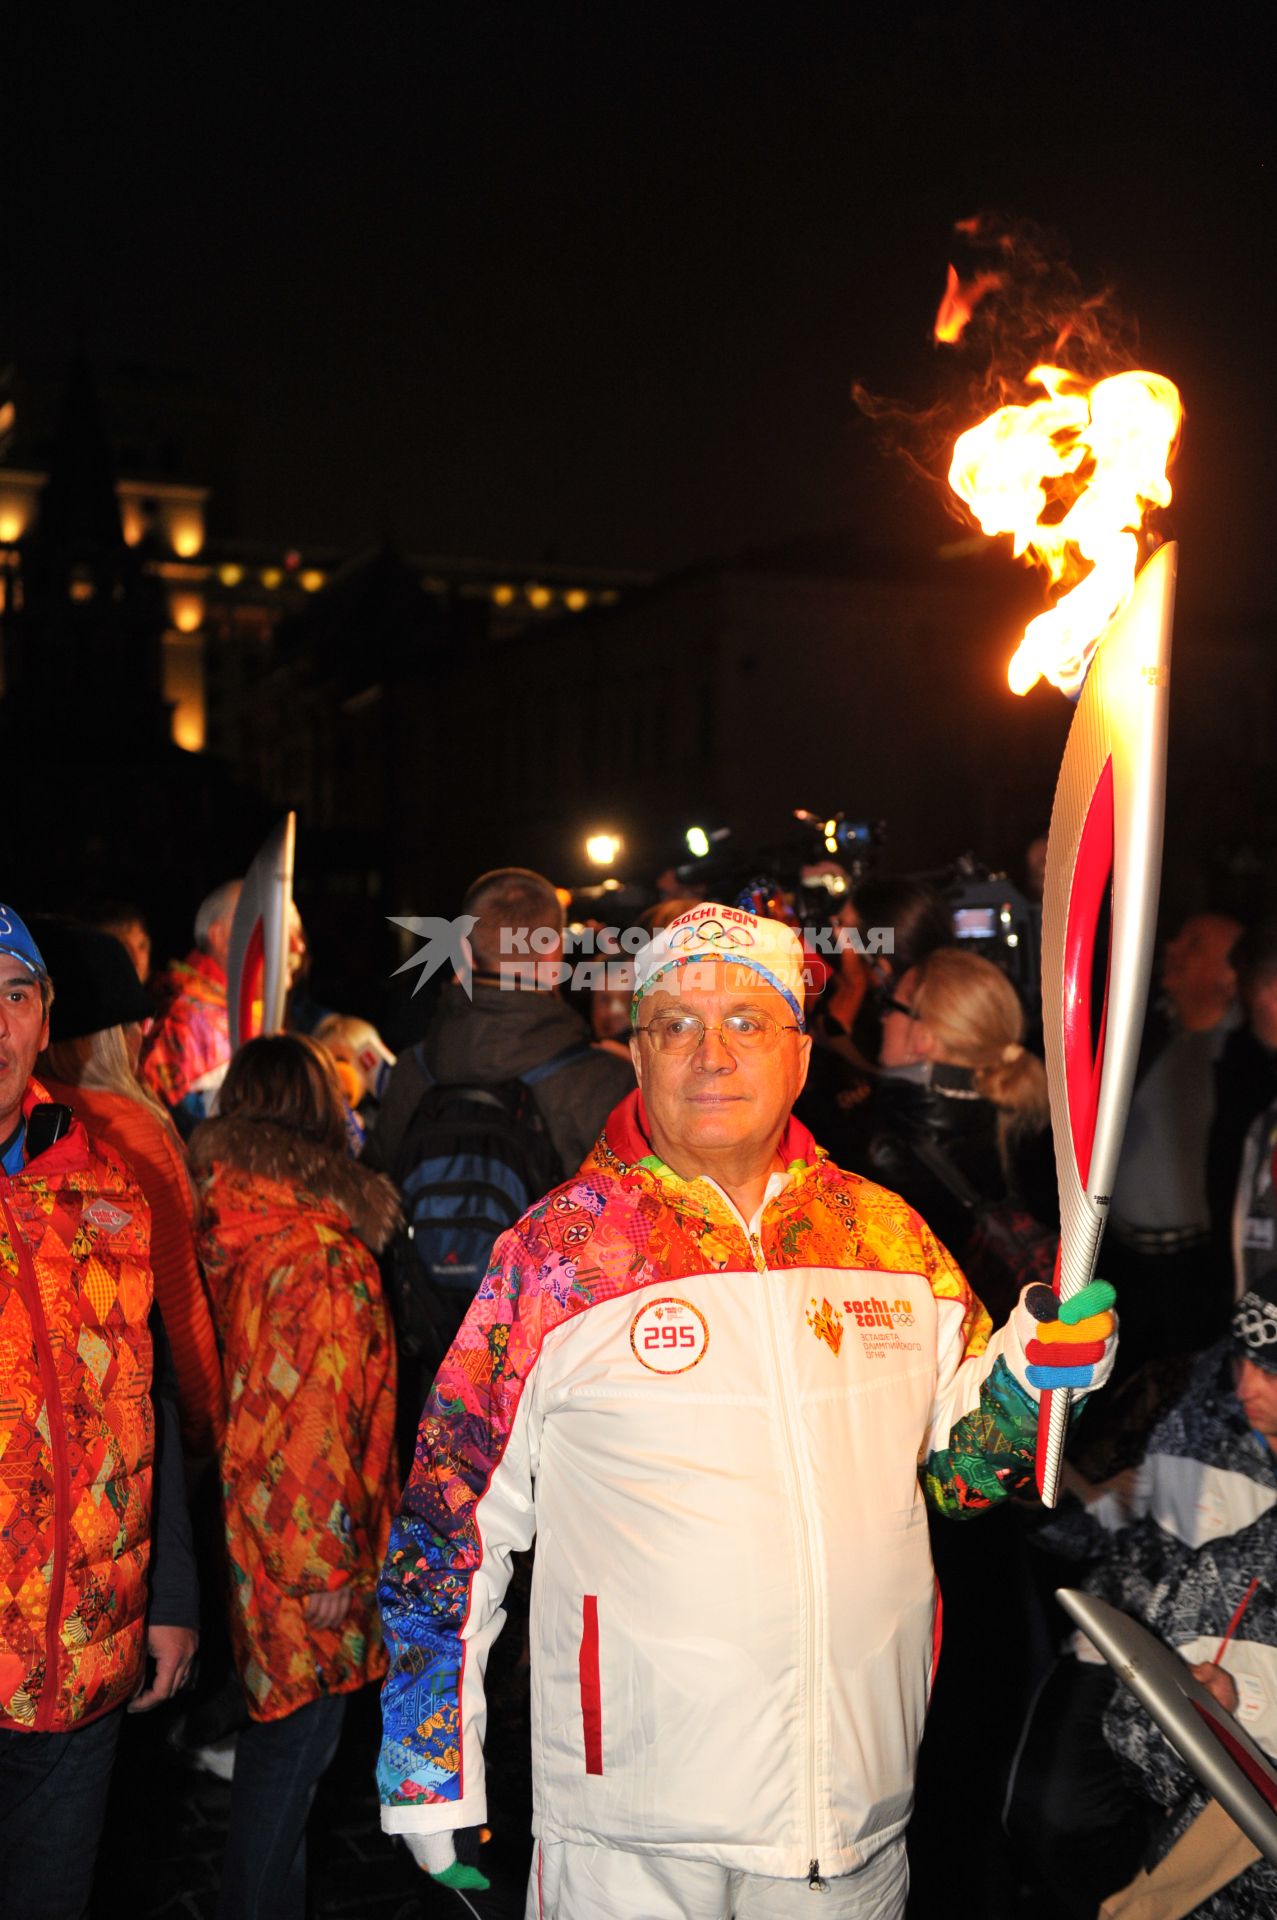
[881,1324]
[884,1326]
[880,1313]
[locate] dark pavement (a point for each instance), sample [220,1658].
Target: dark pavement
[166,1832]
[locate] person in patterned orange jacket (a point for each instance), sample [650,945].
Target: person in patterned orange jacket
[716,1377]
[95,1575]
[186,1053]
[307,1460]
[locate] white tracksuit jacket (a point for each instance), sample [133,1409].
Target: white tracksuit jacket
[717,1436]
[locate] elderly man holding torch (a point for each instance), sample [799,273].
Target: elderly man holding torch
[714,1376]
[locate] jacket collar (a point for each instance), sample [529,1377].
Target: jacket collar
[627,1137]
[198,976]
[71,1154]
[279,1158]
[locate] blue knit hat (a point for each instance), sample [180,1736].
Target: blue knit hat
[16,941]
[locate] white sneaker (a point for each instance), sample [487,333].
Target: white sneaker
[218,1758]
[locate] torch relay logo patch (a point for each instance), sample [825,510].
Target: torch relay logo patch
[826,1323]
[104,1216]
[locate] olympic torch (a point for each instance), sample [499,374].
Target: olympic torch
[1099,915]
[257,964]
[1070,476]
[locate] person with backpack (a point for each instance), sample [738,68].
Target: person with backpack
[501,1100]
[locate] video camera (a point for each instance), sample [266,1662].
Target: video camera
[827,856]
[994,919]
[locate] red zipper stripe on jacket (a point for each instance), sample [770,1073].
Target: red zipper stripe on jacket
[29,1285]
[591,1691]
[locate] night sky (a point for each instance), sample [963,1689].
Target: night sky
[594,281]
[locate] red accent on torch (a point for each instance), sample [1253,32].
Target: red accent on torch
[250,982]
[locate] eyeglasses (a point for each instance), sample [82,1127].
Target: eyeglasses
[898,1006]
[740,1032]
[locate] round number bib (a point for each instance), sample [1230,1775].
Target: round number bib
[669,1336]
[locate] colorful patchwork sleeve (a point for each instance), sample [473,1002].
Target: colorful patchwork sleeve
[162,1067]
[984,1423]
[467,1507]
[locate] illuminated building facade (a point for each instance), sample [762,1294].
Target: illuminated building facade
[153,445]
[197,682]
[225,598]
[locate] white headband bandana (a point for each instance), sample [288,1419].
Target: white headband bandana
[710,932]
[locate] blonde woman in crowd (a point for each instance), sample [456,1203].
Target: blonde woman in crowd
[962,1123]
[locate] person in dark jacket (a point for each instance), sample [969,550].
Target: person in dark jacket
[965,1144]
[507,1019]
[974,1126]
[1157,1242]
[498,1020]
[1245,1084]
[96,1568]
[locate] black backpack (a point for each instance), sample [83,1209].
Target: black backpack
[472,1160]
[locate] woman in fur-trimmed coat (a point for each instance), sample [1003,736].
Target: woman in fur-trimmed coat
[308,1487]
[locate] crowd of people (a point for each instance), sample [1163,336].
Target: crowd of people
[670,1322]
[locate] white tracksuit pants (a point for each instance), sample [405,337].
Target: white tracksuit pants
[571,1882]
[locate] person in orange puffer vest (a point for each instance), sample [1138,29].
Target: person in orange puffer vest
[95,1576]
[307,1466]
[89,1065]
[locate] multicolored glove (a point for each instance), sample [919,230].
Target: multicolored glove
[1075,1341]
[436,1854]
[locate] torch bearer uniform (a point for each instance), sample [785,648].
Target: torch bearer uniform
[719,1433]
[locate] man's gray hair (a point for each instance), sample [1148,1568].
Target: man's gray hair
[508,900]
[219,905]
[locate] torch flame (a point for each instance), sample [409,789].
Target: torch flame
[1070,478]
[961,298]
